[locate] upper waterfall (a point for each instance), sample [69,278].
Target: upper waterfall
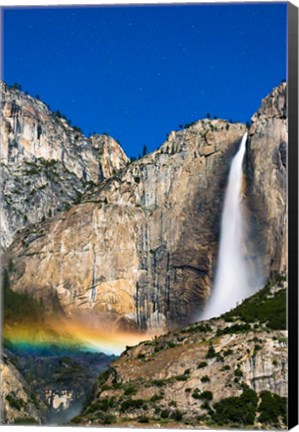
[232,275]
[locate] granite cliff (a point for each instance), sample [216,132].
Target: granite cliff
[139,248]
[266,180]
[18,404]
[46,165]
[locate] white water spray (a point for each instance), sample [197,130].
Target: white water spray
[232,273]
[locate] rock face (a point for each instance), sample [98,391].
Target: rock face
[50,387]
[266,180]
[181,376]
[140,248]
[46,164]
[17,403]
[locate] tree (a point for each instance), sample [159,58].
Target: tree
[144,150]
[17,86]
[208,115]
[211,352]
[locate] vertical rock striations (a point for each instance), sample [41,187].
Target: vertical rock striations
[46,164]
[266,179]
[140,248]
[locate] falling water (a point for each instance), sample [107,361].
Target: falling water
[232,273]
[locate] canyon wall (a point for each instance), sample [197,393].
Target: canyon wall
[46,164]
[267,179]
[139,248]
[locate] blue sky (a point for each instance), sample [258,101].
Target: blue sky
[138,72]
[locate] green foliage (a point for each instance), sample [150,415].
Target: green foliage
[164,414]
[144,150]
[130,404]
[156,398]
[227,352]
[108,419]
[199,328]
[207,395]
[256,349]
[15,402]
[225,368]
[202,364]
[263,308]
[182,377]
[130,390]
[205,379]
[25,421]
[177,415]
[238,373]
[77,129]
[237,410]
[211,352]
[16,86]
[196,394]
[271,407]
[233,329]
[101,405]
[143,419]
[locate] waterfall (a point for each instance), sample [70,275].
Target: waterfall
[232,279]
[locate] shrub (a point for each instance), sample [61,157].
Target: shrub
[25,420]
[211,352]
[225,368]
[196,394]
[131,404]
[14,402]
[202,365]
[237,410]
[108,419]
[143,419]
[164,414]
[177,415]
[207,395]
[156,398]
[238,373]
[101,405]
[205,379]
[227,352]
[182,377]
[262,308]
[130,390]
[271,407]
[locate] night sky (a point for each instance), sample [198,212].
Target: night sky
[137,73]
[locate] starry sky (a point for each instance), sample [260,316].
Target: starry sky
[137,73]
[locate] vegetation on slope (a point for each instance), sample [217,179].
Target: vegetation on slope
[263,307]
[198,375]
